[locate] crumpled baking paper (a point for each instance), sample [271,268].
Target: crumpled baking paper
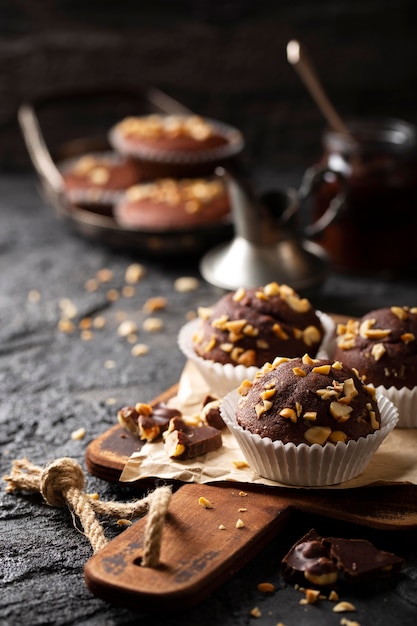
[394,462]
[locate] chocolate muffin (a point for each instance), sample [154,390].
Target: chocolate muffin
[382,346]
[305,400]
[253,326]
[97,181]
[169,204]
[308,422]
[175,145]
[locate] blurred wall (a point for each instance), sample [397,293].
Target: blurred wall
[224,59]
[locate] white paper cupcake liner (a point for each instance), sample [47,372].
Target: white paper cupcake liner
[223,378]
[304,465]
[406,402]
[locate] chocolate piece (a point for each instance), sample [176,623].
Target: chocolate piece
[147,421]
[321,561]
[308,560]
[210,413]
[360,560]
[186,442]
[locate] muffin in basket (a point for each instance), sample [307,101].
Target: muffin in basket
[169,203]
[175,145]
[382,346]
[231,340]
[308,422]
[97,181]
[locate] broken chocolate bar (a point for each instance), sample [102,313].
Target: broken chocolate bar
[145,420]
[360,560]
[186,442]
[321,561]
[308,560]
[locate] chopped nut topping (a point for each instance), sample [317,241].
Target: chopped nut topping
[407,337]
[307,360]
[311,335]
[378,350]
[399,312]
[322,369]
[337,435]
[239,294]
[317,434]
[240,523]
[204,312]
[298,371]
[310,416]
[244,387]
[311,596]
[247,358]
[289,414]
[340,412]
[279,331]
[366,330]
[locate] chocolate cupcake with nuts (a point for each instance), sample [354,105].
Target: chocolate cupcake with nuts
[97,181]
[382,346]
[231,340]
[308,422]
[176,145]
[170,204]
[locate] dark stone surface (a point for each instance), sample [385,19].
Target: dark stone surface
[52,383]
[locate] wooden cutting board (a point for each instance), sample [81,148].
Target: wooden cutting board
[197,556]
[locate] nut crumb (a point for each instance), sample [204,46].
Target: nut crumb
[99,322]
[91,285]
[255,612]
[66,326]
[78,434]
[124,522]
[186,283]
[104,275]
[343,607]
[347,622]
[206,504]
[109,364]
[222,527]
[93,496]
[128,291]
[34,295]
[155,304]
[126,328]
[240,464]
[266,587]
[86,335]
[139,349]
[242,494]
[134,273]
[152,324]
[311,596]
[240,523]
[242,510]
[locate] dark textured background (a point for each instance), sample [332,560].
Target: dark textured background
[222,59]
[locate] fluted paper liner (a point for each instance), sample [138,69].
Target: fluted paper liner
[223,378]
[304,465]
[406,402]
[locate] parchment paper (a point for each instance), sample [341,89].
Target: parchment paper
[394,462]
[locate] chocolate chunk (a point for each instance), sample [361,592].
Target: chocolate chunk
[360,560]
[210,413]
[321,561]
[186,442]
[308,560]
[147,421]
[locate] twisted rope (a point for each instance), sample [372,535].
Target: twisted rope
[62,483]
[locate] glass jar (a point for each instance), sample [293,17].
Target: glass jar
[364,196]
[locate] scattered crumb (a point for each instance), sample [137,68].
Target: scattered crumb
[206,504]
[111,401]
[127,327]
[93,496]
[78,434]
[113,295]
[343,607]
[85,323]
[99,322]
[255,612]
[109,364]
[34,295]
[222,527]
[152,324]
[190,315]
[266,587]
[139,349]
[66,326]
[104,275]
[68,308]
[186,283]
[240,464]
[128,291]
[242,510]
[86,335]
[124,522]
[155,304]
[242,494]
[91,284]
[347,622]
[240,523]
[134,273]
[311,596]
